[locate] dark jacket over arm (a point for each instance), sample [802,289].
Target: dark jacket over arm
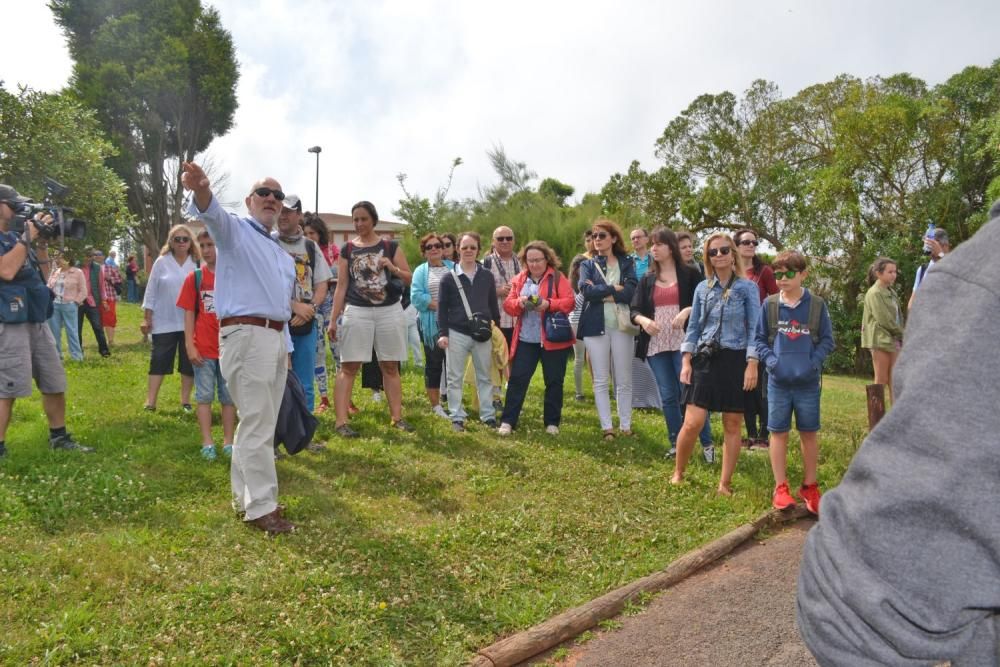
[482,297]
[642,300]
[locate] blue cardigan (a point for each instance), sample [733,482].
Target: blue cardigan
[594,289]
[420,297]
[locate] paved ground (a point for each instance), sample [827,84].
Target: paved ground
[739,611]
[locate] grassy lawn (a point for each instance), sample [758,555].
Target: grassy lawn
[412,549]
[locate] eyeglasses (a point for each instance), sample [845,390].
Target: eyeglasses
[503,239]
[181,239]
[749,242]
[432,246]
[790,273]
[724,250]
[264,192]
[600,235]
[470,247]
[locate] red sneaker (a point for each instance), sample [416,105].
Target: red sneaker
[810,495]
[324,405]
[782,498]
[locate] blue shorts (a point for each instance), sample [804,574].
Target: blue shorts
[208,378]
[783,401]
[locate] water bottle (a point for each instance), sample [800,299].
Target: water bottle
[928,235]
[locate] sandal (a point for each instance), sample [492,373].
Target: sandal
[627,433]
[609,434]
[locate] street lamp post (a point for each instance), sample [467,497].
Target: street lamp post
[317,150]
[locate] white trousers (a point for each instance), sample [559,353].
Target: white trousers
[613,349]
[254,363]
[460,347]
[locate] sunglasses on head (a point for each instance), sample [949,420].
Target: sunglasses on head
[724,250]
[600,235]
[264,192]
[503,238]
[181,239]
[749,242]
[790,273]
[432,246]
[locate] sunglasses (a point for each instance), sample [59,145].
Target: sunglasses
[264,192]
[503,238]
[432,246]
[449,244]
[181,239]
[749,242]
[470,247]
[600,235]
[790,273]
[719,251]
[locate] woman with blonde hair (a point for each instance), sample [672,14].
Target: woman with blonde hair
[70,289]
[882,321]
[719,358]
[162,317]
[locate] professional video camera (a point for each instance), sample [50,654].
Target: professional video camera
[63,224]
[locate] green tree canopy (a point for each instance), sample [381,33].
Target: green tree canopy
[53,135]
[162,76]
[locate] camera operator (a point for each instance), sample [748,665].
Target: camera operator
[25,304]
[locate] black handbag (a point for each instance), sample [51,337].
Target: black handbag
[480,327]
[557,326]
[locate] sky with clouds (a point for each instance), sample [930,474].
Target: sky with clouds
[577,90]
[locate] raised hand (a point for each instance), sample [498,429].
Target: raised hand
[194,177]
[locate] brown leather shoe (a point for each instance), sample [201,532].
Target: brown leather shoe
[273,523]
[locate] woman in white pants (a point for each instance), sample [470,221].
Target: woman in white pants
[607,282]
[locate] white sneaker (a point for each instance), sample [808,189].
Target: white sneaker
[552,429]
[439,411]
[377,396]
[505,429]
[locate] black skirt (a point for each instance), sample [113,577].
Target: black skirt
[718,386]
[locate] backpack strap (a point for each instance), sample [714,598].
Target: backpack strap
[772,319]
[311,249]
[197,292]
[815,312]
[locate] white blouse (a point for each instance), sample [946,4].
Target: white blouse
[162,289]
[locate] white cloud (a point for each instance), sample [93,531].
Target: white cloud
[576,90]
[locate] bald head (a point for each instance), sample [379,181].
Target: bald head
[264,201]
[503,241]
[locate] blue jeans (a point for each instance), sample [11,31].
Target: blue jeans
[667,371]
[803,401]
[133,291]
[522,368]
[64,316]
[304,362]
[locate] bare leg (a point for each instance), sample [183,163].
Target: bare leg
[730,450]
[778,451]
[393,385]
[694,420]
[153,389]
[810,456]
[6,407]
[187,383]
[343,388]
[109,333]
[205,422]
[434,396]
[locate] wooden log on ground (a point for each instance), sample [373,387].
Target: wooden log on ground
[876,404]
[544,636]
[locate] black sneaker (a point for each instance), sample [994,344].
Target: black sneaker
[458,427]
[672,453]
[66,442]
[498,405]
[492,423]
[345,431]
[403,425]
[708,451]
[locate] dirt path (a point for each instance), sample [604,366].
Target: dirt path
[739,611]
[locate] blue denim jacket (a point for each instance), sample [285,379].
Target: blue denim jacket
[740,316]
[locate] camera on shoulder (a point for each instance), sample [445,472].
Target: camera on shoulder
[63,223]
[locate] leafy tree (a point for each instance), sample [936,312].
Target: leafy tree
[425,216]
[53,135]
[555,190]
[162,76]
[514,177]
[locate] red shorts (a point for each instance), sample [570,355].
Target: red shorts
[109,314]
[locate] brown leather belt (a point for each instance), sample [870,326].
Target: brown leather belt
[255,321]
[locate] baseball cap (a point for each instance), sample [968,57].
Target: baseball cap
[292,201]
[8,193]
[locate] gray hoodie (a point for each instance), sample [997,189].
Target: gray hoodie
[904,566]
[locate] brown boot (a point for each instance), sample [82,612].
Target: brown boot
[273,523]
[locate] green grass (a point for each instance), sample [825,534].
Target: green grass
[414,549]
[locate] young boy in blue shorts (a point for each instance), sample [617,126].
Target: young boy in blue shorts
[794,336]
[201,336]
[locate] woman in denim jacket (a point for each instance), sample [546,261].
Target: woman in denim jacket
[606,280]
[719,357]
[424,293]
